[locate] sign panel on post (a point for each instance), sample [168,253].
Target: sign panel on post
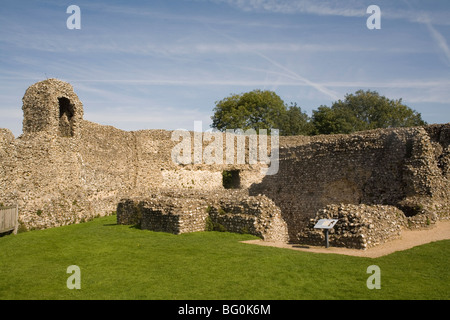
[326,224]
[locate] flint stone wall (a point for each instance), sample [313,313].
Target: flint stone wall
[404,167]
[358,226]
[64,169]
[192,211]
[53,107]
[163,212]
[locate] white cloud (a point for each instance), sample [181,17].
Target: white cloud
[344,8]
[336,8]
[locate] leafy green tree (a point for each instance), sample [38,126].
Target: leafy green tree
[363,110]
[257,110]
[252,110]
[295,122]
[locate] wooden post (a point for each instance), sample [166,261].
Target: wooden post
[16,227]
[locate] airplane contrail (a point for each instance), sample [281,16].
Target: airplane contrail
[288,72]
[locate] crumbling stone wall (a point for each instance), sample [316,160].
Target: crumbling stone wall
[359,226]
[173,212]
[258,215]
[191,211]
[8,168]
[64,169]
[397,167]
[52,106]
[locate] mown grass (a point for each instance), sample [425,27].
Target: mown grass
[122,262]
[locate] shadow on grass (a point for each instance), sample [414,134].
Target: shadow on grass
[135,226]
[6,233]
[300,246]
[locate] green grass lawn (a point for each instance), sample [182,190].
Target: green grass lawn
[122,262]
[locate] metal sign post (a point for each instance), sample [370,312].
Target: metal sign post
[326,225]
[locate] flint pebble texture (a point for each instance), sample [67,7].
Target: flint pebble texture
[191,211]
[64,169]
[358,226]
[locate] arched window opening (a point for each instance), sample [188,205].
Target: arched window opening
[66,113]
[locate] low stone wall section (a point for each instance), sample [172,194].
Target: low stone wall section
[192,211]
[359,226]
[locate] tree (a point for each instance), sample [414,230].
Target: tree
[257,110]
[295,122]
[252,110]
[364,110]
[326,120]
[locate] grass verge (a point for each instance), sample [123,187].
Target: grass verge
[122,262]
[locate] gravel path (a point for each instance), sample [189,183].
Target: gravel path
[408,239]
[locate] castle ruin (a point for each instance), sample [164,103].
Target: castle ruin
[64,169]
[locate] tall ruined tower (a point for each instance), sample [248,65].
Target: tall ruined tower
[52,106]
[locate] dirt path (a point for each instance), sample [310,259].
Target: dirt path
[409,239]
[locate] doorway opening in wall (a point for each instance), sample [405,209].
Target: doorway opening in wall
[231,179]
[66,113]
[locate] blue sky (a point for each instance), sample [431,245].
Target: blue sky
[163,64]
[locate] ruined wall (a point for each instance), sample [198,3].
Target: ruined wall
[47,182]
[64,169]
[155,168]
[52,106]
[257,215]
[8,168]
[399,167]
[193,210]
[61,180]
[107,165]
[358,226]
